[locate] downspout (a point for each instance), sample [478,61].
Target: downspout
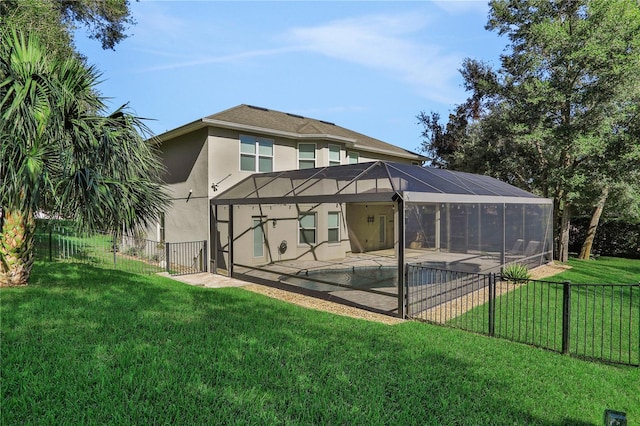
[230,237]
[503,250]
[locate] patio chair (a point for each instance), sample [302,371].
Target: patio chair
[530,250]
[518,247]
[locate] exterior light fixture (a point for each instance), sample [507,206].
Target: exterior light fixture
[615,418]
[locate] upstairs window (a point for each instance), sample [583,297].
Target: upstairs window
[354,157]
[256,154]
[334,155]
[306,155]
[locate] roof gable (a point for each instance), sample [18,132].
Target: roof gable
[258,119]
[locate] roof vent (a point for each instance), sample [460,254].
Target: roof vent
[294,115]
[327,122]
[257,107]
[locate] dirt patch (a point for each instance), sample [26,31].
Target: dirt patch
[545,271]
[459,305]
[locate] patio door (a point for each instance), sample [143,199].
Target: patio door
[382,229]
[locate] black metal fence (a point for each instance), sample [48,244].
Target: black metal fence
[61,242]
[597,321]
[186,258]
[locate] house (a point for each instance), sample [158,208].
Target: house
[309,205]
[205,157]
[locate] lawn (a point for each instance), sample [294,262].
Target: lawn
[604,320]
[87,345]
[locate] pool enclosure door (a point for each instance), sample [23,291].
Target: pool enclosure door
[220,240]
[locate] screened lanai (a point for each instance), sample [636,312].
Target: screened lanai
[345,233]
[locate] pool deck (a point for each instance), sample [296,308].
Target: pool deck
[383,299]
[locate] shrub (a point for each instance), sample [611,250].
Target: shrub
[516,272]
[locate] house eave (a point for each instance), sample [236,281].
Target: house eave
[349,143]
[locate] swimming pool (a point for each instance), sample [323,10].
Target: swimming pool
[365,278]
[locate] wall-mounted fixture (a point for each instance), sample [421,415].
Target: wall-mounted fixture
[274,222]
[371,219]
[189,196]
[214,185]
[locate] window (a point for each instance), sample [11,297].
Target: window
[306,155]
[258,238]
[333,227]
[256,154]
[353,157]
[334,155]
[307,228]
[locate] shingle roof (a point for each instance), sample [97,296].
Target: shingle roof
[264,118]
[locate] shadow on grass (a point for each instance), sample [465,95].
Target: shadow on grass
[87,344]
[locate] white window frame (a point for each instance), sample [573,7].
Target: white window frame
[353,155]
[315,155]
[301,239]
[334,162]
[256,154]
[337,227]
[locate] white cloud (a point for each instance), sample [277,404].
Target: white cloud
[155,21]
[401,45]
[235,57]
[396,44]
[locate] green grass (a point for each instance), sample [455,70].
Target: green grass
[602,270]
[82,345]
[604,320]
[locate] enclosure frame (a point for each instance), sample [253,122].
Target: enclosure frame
[384,183]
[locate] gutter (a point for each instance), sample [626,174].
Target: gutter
[349,142]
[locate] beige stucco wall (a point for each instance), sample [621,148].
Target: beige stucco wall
[197,160]
[185,160]
[280,224]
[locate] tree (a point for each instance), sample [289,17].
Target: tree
[55,21]
[568,80]
[61,153]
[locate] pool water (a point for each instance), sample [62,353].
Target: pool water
[357,278]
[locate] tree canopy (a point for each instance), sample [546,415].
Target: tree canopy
[61,153]
[56,20]
[556,117]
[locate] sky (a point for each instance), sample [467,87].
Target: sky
[371,67]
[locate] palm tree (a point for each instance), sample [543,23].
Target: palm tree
[61,154]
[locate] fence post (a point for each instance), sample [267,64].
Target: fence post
[205,261]
[492,304]
[566,316]
[50,245]
[115,246]
[166,256]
